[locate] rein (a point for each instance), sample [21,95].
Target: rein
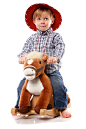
[40,69]
[32,67]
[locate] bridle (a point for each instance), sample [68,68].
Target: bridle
[32,67]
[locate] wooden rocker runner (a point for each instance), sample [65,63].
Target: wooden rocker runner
[50,112]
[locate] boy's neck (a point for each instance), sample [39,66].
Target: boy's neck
[43,32]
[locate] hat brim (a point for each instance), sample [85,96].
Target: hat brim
[32,8]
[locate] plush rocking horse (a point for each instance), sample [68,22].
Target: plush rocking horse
[39,86]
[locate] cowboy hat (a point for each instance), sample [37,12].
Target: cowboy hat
[32,8]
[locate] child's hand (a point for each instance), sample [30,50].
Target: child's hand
[22,60]
[52,60]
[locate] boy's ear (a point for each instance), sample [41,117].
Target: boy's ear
[52,21]
[44,57]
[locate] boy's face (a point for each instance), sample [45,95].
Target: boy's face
[44,21]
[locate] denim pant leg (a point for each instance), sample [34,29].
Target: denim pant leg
[59,90]
[19,91]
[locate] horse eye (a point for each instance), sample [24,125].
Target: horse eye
[39,62]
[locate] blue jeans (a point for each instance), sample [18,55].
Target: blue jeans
[59,90]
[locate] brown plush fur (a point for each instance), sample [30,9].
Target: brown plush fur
[25,96]
[44,97]
[46,93]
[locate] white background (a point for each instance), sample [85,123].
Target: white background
[13,34]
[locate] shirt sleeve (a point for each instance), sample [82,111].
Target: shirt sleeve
[59,46]
[28,46]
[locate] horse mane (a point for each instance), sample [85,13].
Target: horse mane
[34,55]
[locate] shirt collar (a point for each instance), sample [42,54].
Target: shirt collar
[46,32]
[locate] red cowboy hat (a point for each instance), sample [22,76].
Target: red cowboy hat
[32,8]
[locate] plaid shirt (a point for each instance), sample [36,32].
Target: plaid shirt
[55,47]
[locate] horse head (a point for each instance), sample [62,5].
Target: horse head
[34,65]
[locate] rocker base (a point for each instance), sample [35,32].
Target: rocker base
[49,112]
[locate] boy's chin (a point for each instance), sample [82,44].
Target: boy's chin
[43,30]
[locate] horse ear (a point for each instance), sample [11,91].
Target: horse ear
[26,55]
[44,57]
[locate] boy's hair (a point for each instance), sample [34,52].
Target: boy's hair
[39,11]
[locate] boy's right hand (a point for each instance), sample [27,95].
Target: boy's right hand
[22,60]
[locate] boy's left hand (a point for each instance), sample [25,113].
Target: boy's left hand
[52,60]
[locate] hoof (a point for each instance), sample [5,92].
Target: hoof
[37,109]
[24,110]
[49,106]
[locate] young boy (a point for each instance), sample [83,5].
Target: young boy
[45,19]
